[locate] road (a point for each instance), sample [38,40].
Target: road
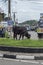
[20,62]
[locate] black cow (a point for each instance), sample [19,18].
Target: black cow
[22,31]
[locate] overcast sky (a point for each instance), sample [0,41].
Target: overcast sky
[26,9]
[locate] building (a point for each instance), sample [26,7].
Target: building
[41,16]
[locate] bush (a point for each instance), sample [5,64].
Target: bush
[6,34]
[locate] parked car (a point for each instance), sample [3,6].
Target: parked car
[28,28]
[33,28]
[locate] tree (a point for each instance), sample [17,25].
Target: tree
[30,22]
[9,7]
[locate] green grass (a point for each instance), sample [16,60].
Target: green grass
[21,43]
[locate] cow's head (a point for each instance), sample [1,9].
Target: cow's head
[28,35]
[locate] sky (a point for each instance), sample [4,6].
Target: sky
[25,9]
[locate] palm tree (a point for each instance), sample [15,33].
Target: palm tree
[9,7]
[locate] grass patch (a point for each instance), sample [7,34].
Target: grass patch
[21,43]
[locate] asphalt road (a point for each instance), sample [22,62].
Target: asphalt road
[20,62]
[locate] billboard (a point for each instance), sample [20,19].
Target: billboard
[10,22]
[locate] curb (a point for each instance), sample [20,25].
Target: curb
[24,57]
[1,55]
[21,49]
[9,56]
[21,57]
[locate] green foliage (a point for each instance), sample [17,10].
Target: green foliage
[30,22]
[6,34]
[21,43]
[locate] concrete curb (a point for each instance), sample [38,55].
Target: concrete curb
[21,57]
[24,57]
[9,56]
[21,49]
[1,55]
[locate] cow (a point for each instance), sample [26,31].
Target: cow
[22,31]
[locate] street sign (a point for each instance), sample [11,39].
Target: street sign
[10,22]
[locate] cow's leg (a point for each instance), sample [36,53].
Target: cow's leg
[16,36]
[13,35]
[19,36]
[22,37]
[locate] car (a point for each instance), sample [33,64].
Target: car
[28,28]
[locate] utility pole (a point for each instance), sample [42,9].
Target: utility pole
[9,9]
[15,17]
